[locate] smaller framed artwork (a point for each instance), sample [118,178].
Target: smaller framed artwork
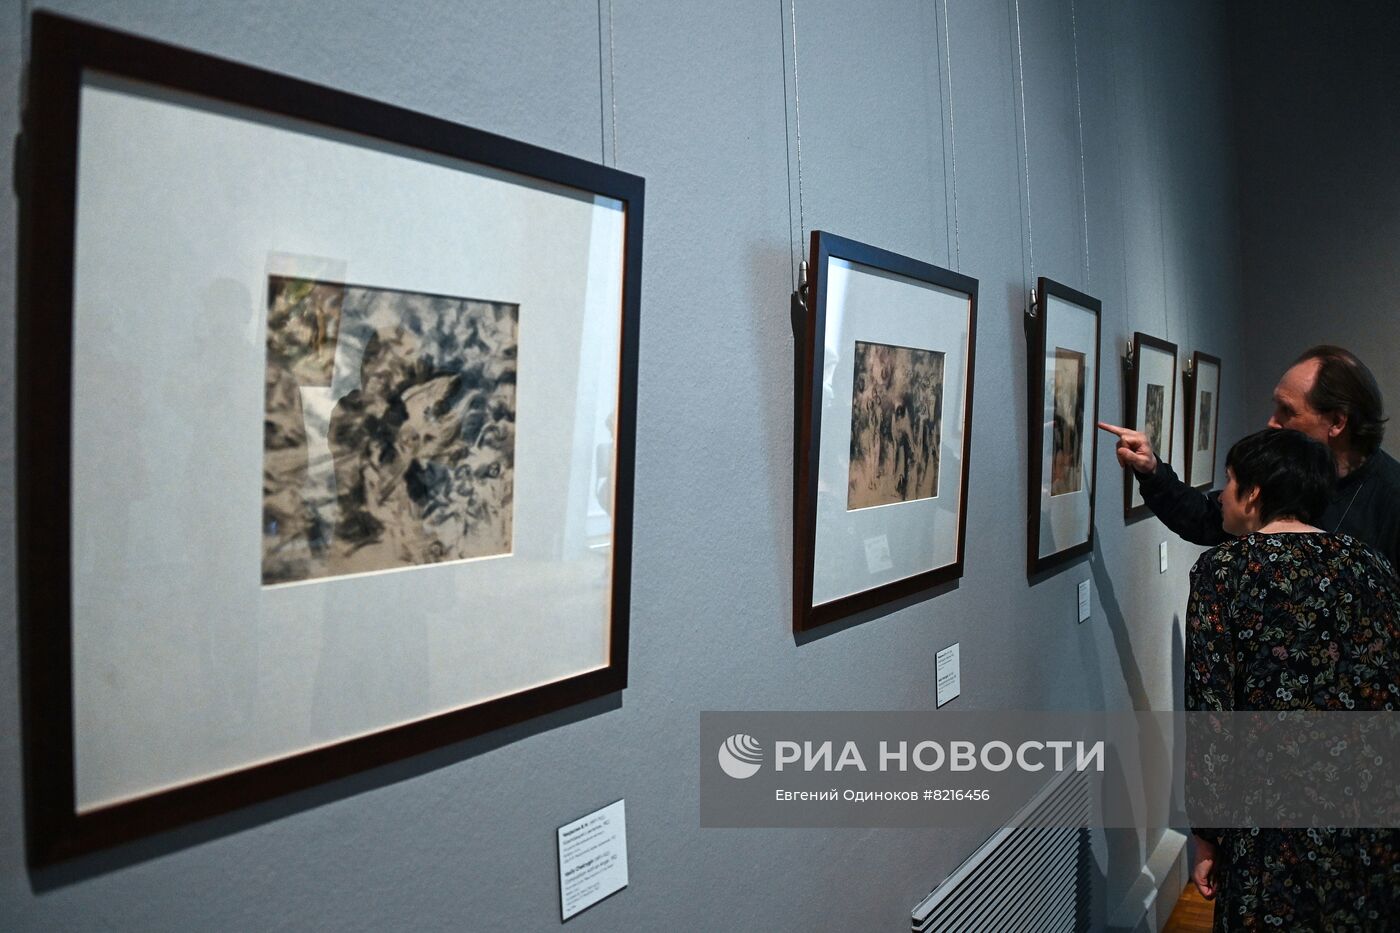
[1202,382]
[1063,337]
[884,429]
[1150,407]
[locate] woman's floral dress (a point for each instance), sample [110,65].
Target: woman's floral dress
[1298,621]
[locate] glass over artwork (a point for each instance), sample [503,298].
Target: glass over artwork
[1149,407]
[1152,426]
[1066,461]
[1064,359]
[389,429]
[334,405]
[1203,376]
[886,401]
[1205,423]
[896,424]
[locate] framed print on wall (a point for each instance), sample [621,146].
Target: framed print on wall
[1150,407]
[885,409]
[1202,381]
[1063,379]
[326,432]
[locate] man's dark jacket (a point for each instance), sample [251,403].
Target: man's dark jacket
[1366,506]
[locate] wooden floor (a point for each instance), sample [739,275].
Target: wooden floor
[1192,914]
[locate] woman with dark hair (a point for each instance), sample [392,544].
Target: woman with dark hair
[1289,617]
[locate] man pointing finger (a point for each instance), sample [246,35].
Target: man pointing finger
[1327,394]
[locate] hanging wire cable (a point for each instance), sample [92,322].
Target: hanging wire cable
[1026,152]
[1079,121]
[952,136]
[787,142]
[797,132]
[607,86]
[797,116]
[612,79]
[602,94]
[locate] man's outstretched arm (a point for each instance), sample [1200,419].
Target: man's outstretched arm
[1190,513]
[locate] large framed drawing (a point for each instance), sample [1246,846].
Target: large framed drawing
[1149,407]
[885,415]
[1202,382]
[326,432]
[1063,382]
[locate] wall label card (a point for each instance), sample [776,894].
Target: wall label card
[592,858]
[948,673]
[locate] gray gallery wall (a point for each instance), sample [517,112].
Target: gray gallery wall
[1086,140]
[1319,192]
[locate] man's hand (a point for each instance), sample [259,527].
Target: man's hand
[1204,873]
[1133,448]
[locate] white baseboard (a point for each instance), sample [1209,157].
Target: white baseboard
[1149,902]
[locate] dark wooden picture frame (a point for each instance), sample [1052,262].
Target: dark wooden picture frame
[824,247]
[1190,387]
[1134,387]
[63,51]
[1036,340]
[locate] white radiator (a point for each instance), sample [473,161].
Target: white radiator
[1026,878]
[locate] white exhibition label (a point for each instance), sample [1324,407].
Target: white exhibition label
[1084,601]
[592,859]
[949,672]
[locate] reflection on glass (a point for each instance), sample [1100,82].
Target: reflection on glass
[896,425]
[1152,421]
[389,429]
[1066,453]
[1204,433]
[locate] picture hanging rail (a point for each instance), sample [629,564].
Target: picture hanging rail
[326,433]
[1063,382]
[885,429]
[1149,406]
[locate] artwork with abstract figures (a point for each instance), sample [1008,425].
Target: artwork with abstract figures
[896,425]
[1152,423]
[1066,452]
[1205,430]
[389,429]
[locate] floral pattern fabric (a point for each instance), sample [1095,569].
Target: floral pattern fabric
[1301,621]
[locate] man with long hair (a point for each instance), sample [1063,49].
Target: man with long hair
[1329,395]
